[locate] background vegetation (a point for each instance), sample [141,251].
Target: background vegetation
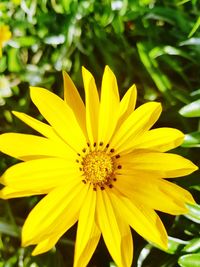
[155,44]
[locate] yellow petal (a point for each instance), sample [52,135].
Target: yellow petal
[55,213]
[155,193]
[39,126]
[9,192]
[135,125]
[109,107]
[45,245]
[25,146]
[40,174]
[126,241]
[160,139]
[92,105]
[60,116]
[166,165]
[88,234]
[112,230]
[142,219]
[127,104]
[74,101]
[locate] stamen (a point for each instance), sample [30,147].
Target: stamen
[94,144]
[78,154]
[84,181]
[112,150]
[119,166]
[117,156]
[84,150]
[107,145]
[80,169]
[88,144]
[102,188]
[101,143]
[77,160]
[114,179]
[110,186]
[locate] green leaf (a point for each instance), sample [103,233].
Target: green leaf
[192,140]
[192,246]
[13,60]
[194,213]
[9,229]
[191,110]
[175,244]
[152,67]
[190,260]
[195,27]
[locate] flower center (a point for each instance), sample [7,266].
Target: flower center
[98,168]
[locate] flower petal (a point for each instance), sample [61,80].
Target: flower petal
[127,104]
[127,241]
[92,105]
[160,139]
[41,174]
[112,230]
[109,107]
[142,219]
[39,126]
[45,245]
[165,165]
[88,234]
[74,101]
[155,193]
[60,116]
[9,192]
[26,146]
[55,213]
[135,125]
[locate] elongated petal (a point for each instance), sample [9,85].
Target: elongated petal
[74,101]
[109,107]
[39,126]
[135,125]
[127,104]
[92,105]
[88,234]
[165,165]
[155,193]
[161,139]
[9,192]
[112,231]
[60,116]
[126,241]
[45,245]
[55,213]
[142,219]
[26,146]
[40,174]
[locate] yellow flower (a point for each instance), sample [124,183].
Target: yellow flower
[5,35]
[100,165]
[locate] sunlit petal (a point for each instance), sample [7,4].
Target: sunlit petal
[92,105]
[55,213]
[26,146]
[60,116]
[165,165]
[161,139]
[109,107]
[37,174]
[142,219]
[74,101]
[88,234]
[135,125]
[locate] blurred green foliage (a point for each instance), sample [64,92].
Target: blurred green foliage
[153,43]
